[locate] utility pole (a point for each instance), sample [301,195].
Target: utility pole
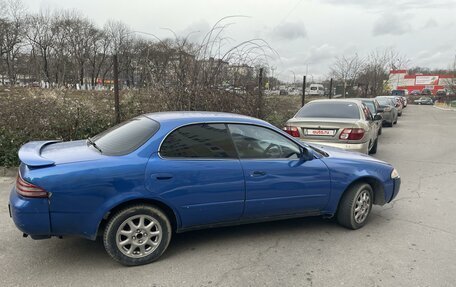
[303,99]
[345,88]
[116,87]
[260,95]
[330,88]
[270,84]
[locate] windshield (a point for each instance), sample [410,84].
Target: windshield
[345,110]
[126,137]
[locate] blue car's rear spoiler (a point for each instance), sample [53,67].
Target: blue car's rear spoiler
[30,154]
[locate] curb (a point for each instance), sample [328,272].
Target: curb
[445,109]
[8,171]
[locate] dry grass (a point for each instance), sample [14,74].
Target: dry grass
[35,114]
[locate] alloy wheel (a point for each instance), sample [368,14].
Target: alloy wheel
[362,206]
[138,236]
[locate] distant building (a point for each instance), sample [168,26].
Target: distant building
[401,80]
[240,70]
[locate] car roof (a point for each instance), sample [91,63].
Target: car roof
[350,100]
[365,99]
[187,117]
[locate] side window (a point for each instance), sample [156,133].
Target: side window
[258,142]
[199,141]
[367,113]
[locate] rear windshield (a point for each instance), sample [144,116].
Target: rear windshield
[385,101]
[398,92]
[345,110]
[127,136]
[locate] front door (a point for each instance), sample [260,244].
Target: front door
[278,181]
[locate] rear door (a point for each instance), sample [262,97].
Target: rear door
[278,182]
[371,131]
[197,169]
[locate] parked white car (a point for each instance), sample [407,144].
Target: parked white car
[316,90]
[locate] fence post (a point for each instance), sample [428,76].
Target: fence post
[330,88]
[303,99]
[116,88]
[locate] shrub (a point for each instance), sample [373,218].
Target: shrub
[28,114]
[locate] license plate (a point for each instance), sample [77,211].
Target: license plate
[313,132]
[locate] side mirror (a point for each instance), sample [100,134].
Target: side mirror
[306,154]
[378,117]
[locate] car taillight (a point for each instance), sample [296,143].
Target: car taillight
[27,189]
[352,134]
[293,131]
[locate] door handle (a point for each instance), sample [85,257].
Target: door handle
[257,173]
[162,176]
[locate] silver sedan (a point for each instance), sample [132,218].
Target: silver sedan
[345,124]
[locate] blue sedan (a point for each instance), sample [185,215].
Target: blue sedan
[139,182]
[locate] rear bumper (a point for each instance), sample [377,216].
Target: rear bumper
[359,147]
[30,215]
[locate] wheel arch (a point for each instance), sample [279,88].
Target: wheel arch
[169,212]
[377,187]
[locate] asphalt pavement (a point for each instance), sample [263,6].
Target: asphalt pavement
[410,242]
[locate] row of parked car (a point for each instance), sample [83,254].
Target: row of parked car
[350,124]
[144,180]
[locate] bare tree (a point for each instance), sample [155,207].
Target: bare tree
[79,32]
[41,34]
[375,72]
[98,53]
[11,35]
[396,61]
[119,35]
[347,69]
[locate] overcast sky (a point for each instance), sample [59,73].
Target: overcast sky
[305,33]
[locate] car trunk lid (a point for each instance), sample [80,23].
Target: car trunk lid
[322,129]
[53,152]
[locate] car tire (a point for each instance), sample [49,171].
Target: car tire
[149,237]
[355,206]
[380,131]
[373,149]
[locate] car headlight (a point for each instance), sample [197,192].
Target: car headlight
[395,174]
